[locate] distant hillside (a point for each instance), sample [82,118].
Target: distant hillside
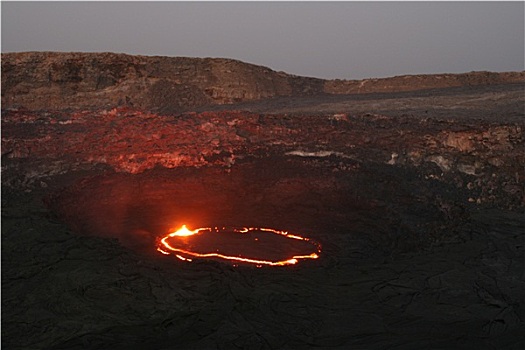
[52,80]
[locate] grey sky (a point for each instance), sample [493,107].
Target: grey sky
[347,40]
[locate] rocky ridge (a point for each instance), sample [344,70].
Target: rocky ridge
[53,80]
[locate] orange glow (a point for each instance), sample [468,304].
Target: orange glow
[179,243]
[183,231]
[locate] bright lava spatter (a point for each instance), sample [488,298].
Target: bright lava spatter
[187,255]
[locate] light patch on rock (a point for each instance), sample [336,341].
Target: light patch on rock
[461,141]
[467,169]
[317,154]
[443,163]
[393,159]
[339,117]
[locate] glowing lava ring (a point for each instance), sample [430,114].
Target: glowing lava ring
[246,245]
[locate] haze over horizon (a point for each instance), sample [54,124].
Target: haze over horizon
[330,40]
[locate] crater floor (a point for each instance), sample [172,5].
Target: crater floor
[416,198]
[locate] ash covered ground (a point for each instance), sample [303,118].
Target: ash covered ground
[417,199]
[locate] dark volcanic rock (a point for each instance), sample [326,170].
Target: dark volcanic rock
[43,80]
[422,82]
[483,158]
[51,80]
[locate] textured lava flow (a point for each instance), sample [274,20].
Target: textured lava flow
[257,246]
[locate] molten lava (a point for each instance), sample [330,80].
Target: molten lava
[246,245]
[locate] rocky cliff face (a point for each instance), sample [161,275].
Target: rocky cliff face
[422,82]
[50,80]
[44,80]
